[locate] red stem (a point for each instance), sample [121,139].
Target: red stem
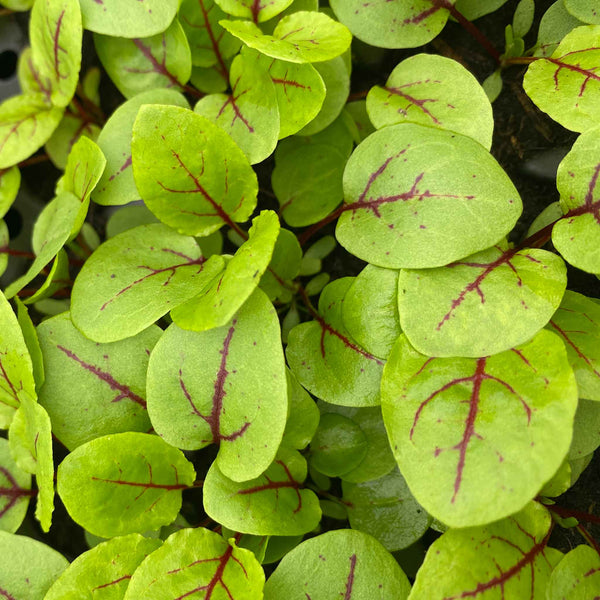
[577,514]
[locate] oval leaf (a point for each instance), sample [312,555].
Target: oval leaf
[577,576]
[15,491]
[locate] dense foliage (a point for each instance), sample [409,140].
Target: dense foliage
[215,431]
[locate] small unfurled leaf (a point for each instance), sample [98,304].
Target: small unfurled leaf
[117,185]
[200,563]
[138,475]
[108,566]
[344,564]
[435,91]
[256,10]
[224,386]
[218,302]
[385,509]
[15,491]
[327,361]
[32,343]
[140,64]
[136,277]
[576,577]
[419,197]
[565,85]
[508,557]
[476,439]
[300,37]
[275,503]
[303,415]
[189,172]
[10,182]
[93,389]
[128,18]
[393,23]
[585,10]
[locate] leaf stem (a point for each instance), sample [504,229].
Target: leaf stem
[577,514]
[588,537]
[317,226]
[5,12]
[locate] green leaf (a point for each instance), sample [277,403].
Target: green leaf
[370,310]
[94,389]
[566,84]
[275,503]
[327,361]
[10,182]
[258,11]
[347,563]
[190,173]
[26,124]
[586,430]
[222,298]
[385,509]
[4,240]
[576,577]
[20,5]
[15,491]
[210,44]
[392,24]
[303,415]
[473,9]
[418,197]
[128,18]
[460,427]
[507,558]
[560,482]
[140,64]
[16,370]
[492,85]
[284,266]
[436,91]
[56,35]
[577,235]
[30,439]
[104,571]
[523,17]
[31,569]
[301,37]
[458,310]
[211,80]
[135,278]
[138,475]
[70,129]
[128,217]
[200,563]
[584,10]
[358,111]
[57,278]
[32,342]
[554,26]
[224,386]
[250,114]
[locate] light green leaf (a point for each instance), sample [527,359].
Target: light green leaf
[70,129]
[197,562]
[393,23]
[138,475]
[140,64]
[385,509]
[32,343]
[560,482]
[577,576]
[566,84]
[26,124]
[492,85]
[128,217]
[358,111]
[523,17]
[128,18]
[32,567]
[258,11]
[554,26]
[327,361]
[300,37]
[104,571]
[436,91]
[284,266]
[586,430]
[20,5]
[347,563]
[418,197]
[303,415]
[4,240]
[507,558]
[15,491]
[94,389]
[190,173]
[473,9]
[135,278]
[222,298]
[460,427]
[584,10]
[275,503]
[57,279]
[10,182]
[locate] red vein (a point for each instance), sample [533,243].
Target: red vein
[580,354]
[350,580]
[56,43]
[105,585]
[158,67]
[213,41]
[13,493]
[419,103]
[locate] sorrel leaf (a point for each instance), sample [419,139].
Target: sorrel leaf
[385,509]
[576,577]
[327,361]
[458,310]
[32,343]
[136,277]
[117,185]
[137,474]
[69,130]
[473,9]
[554,26]
[303,415]
[94,389]
[275,503]
[221,299]
[128,18]
[300,37]
[584,10]
[189,172]
[224,386]
[402,183]
[200,563]
[256,10]
[477,438]
[10,182]
[393,23]
[4,240]
[435,91]
[15,491]
[347,563]
[104,571]
[506,557]
[139,64]
[586,430]
[277,280]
